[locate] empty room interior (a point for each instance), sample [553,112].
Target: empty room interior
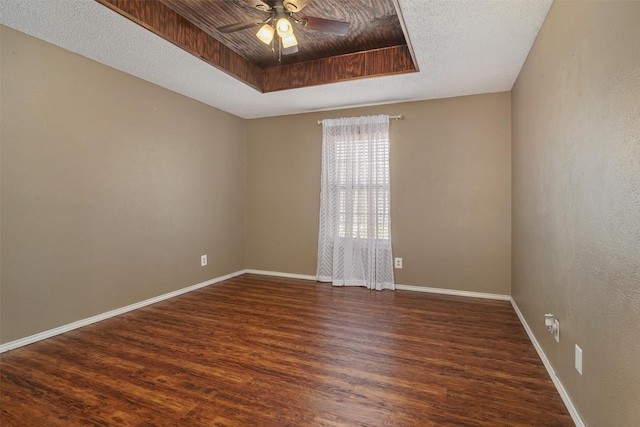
[178,247]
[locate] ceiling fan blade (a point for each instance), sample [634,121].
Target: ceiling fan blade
[325,25]
[295,5]
[240,26]
[257,4]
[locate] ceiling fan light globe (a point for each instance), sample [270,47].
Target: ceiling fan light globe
[284,27]
[265,34]
[289,41]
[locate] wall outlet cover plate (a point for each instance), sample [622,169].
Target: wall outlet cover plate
[578,359]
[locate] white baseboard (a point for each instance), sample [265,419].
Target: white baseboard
[454,292]
[556,381]
[399,287]
[279,274]
[80,323]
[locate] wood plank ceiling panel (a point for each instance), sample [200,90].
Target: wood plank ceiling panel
[375,29]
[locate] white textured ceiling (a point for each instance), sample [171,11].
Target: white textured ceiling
[463,47]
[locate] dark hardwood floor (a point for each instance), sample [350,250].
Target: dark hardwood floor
[262,351]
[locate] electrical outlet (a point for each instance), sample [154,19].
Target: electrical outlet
[203,260]
[398,263]
[556,330]
[578,359]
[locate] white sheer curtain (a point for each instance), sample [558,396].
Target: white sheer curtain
[354,242]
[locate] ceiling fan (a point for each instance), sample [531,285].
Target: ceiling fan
[281,21]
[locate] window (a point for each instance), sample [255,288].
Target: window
[363,203]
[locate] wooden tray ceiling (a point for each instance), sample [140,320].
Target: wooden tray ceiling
[375,45]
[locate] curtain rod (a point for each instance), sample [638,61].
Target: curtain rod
[397,117]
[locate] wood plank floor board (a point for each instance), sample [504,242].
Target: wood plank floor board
[267,351]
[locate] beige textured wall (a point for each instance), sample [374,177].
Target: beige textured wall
[111,188]
[450,183]
[576,201]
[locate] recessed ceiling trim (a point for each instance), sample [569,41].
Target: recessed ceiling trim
[396,5]
[163,21]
